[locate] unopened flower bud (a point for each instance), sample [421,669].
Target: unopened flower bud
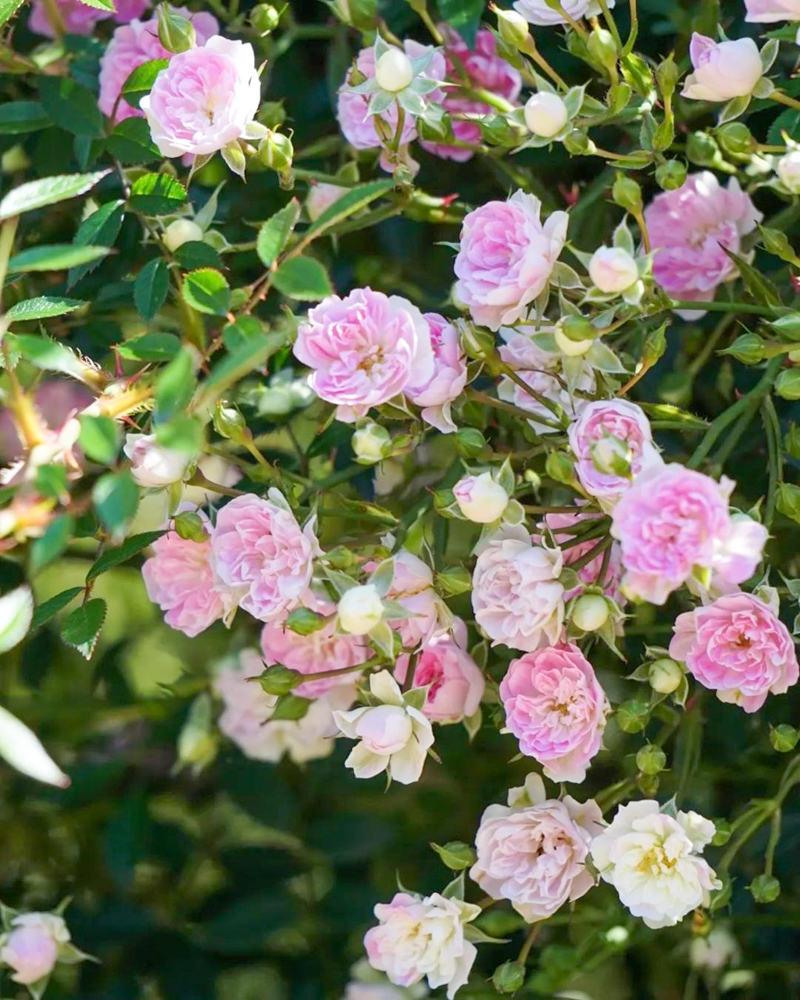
[508,977]
[198,740]
[304,621]
[651,759]
[602,48]
[747,348]
[655,343]
[670,174]
[512,26]
[560,467]
[736,139]
[612,456]
[648,784]
[787,384]
[784,738]
[477,343]
[453,581]
[613,270]
[276,151]
[667,75]
[371,443]
[632,716]
[229,422]
[360,609]
[279,680]
[702,149]
[264,18]
[765,888]
[175,33]
[788,170]
[190,527]
[393,71]
[665,675]
[181,231]
[627,193]
[480,498]
[469,442]
[456,855]
[578,143]
[590,612]
[545,114]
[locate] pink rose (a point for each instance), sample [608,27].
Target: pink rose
[673,522]
[179,579]
[136,43]
[448,379]
[79,18]
[30,950]
[484,70]
[556,708]
[590,574]
[454,680]
[690,229]
[607,431]
[364,349]
[260,552]
[357,126]
[506,258]
[533,852]
[766,11]
[722,70]
[516,595]
[412,587]
[204,99]
[739,648]
[310,654]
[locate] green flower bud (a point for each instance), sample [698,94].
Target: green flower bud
[765,888]
[577,328]
[702,149]
[512,26]
[453,581]
[748,348]
[341,557]
[651,759]
[175,33]
[229,423]
[478,344]
[633,715]
[276,151]
[590,612]
[787,384]
[560,467]
[784,738]
[722,833]
[665,675]
[469,442]
[578,143]
[655,343]
[648,784]
[304,621]
[190,526]
[280,680]
[264,18]
[198,740]
[736,139]
[667,76]
[509,977]
[602,49]
[670,174]
[791,440]
[787,326]
[627,193]
[456,855]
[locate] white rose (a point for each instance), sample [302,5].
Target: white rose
[652,860]
[392,735]
[151,464]
[722,70]
[480,498]
[540,12]
[360,609]
[181,231]
[545,114]
[788,170]
[613,269]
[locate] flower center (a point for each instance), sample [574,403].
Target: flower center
[656,861]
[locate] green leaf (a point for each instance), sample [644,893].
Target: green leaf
[290,707]
[760,288]
[183,434]
[175,385]
[81,628]
[18,117]
[72,105]
[140,81]
[207,291]
[131,143]
[48,355]
[151,287]
[157,194]
[274,234]
[42,307]
[51,481]
[356,198]
[100,229]
[303,278]
[8,8]
[116,499]
[115,557]
[101,4]
[52,543]
[150,347]
[787,121]
[47,191]
[244,330]
[99,438]
[196,254]
[50,608]
[56,257]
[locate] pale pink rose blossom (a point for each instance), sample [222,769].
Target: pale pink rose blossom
[691,227]
[533,852]
[484,70]
[136,43]
[324,649]
[448,379]
[506,257]
[79,18]
[589,574]
[556,708]
[516,594]
[30,949]
[178,578]
[539,12]
[623,422]
[364,349]
[539,369]
[412,587]
[246,718]
[454,680]
[674,522]
[418,938]
[767,11]
[260,553]
[205,99]
[722,70]
[739,648]
[357,126]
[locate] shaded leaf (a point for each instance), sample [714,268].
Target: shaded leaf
[114,557]
[150,347]
[131,143]
[18,117]
[151,287]
[100,229]
[81,628]
[274,234]
[47,191]
[56,257]
[157,194]
[99,438]
[49,609]
[72,105]
[42,307]
[207,291]
[303,278]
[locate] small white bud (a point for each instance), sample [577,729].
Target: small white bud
[545,114]
[665,675]
[394,71]
[181,231]
[788,170]
[613,270]
[371,443]
[480,498]
[572,348]
[590,612]
[360,609]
